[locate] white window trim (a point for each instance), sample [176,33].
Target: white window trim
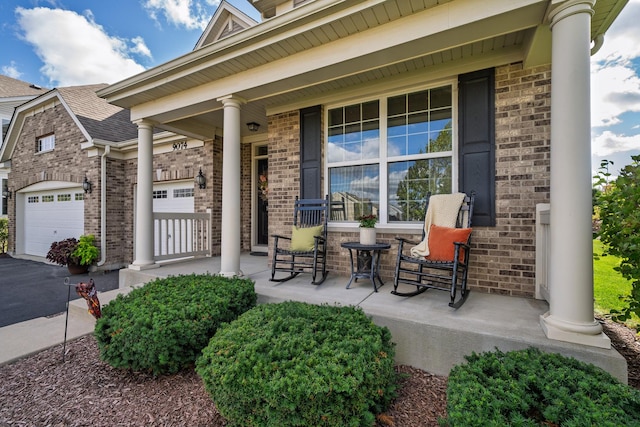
[382,98]
[46,138]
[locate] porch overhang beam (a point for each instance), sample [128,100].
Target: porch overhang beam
[408,38]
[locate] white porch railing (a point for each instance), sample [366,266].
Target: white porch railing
[181,235]
[542,250]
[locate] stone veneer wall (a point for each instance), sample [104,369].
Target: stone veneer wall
[503,257]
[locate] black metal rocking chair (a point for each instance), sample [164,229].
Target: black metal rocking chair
[441,274]
[306,250]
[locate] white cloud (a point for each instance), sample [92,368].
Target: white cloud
[11,70]
[615,83]
[75,50]
[140,47]
[191,14]
[608,143]
[615,91]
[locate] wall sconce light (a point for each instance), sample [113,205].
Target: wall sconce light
[201,180]
[86,185]
[253,126]
[6,192]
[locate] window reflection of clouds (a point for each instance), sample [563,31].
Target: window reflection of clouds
[367,149]
[416,124]
[362,181]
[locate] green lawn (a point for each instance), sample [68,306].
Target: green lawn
[609,285]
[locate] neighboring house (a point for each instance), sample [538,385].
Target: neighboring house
[13,92]
[69,138]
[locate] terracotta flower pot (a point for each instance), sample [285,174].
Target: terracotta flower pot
[77,269]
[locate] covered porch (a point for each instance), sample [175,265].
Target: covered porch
[429,335]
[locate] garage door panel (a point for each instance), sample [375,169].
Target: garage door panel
[51,216]
[172,197]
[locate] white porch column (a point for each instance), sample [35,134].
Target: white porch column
[143,257]
[570,317]
[230,242]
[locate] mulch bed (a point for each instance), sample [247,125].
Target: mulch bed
[84,391]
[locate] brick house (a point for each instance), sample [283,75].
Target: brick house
[351,98]
[69,135]
[13,92]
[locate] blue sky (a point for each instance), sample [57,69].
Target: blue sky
[56,43]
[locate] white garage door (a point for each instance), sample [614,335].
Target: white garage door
[173,197]
[176,197]
[51,216]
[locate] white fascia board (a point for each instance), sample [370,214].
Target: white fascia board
[432,23]
[228,48]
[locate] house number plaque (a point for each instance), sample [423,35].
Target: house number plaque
[180,145]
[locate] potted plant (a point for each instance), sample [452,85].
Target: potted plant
[367,229]
[77,255]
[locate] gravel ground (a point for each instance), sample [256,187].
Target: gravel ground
[42,390]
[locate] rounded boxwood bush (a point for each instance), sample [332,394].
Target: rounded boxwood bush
[163,326]
[531,388]
[297,364]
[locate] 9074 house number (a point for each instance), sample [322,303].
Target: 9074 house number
[180,145]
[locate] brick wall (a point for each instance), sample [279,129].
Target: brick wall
[68,163]
[65,163]
[503,257]
[180,165]
[284,171]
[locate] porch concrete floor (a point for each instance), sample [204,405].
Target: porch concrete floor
[428,333]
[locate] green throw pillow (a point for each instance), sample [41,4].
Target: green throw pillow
[302,238]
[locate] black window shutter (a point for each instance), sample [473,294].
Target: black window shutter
[476,143]
[310,152]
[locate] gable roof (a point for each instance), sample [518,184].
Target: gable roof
[96,119]
[227,20]
[100,119]
[11,88]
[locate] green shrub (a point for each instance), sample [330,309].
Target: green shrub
[4,234]
[531,388]
[297,364]
[163,326]
[620,229]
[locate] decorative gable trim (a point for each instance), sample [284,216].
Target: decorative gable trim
[227,20]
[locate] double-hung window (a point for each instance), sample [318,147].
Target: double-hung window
[46,143]
[385,155]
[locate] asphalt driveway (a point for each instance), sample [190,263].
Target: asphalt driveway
[30,289]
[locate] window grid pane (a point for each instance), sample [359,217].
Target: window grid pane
[46,143]
[409,183]
[354,133]
[418,157]
[358,188]
[182,193]
[159,194]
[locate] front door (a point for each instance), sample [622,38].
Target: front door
[261,199]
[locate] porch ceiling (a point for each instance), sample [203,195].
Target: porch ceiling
[325,48]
